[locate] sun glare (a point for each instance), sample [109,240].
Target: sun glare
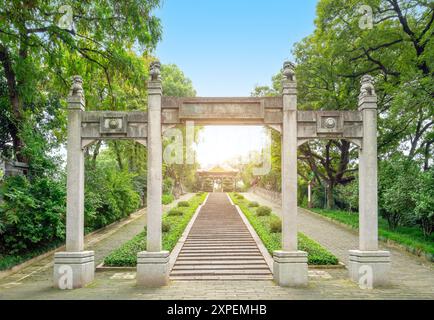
[218,145]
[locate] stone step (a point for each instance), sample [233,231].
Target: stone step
[220,247]
[218,262]
[222,277]
[222,272]
[260,266]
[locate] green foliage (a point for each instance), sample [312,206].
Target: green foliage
[409,236]
[239,196]
[183,204]
[167,198]
[397,183]
[109,195]
[167,185]
[175,83]
[253,204]
[275,224]
[165,226]
[31,213]
[263,211]
[423,197]
[265,227]
[175,212]
[126,254]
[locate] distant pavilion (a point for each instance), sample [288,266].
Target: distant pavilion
[217,179]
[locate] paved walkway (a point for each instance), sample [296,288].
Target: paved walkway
[409,272]
[219,246]
[102,243]
[412,278]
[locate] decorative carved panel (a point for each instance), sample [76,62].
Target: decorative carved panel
[114,125]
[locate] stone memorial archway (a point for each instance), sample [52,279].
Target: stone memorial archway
[296,127]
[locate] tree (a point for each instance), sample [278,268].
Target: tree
[34,49]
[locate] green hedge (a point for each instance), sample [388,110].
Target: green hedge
[126,254]
[409,236]
[266,230]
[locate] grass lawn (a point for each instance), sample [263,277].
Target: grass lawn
[411,237]
[126,254]
[317,255]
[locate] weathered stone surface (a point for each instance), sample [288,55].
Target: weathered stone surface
[290,268]
[364,264]
[129,125]
[78,268]
[152,269]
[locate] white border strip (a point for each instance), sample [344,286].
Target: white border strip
[175,252]
[267,257]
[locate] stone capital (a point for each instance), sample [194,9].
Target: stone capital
[367,102]
[155,88]
[76,102]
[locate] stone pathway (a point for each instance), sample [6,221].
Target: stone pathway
[408,271]
[412,278]
[219,246]
[102,242]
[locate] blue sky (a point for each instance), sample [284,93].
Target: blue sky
[227,47]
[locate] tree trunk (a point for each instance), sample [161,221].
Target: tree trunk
[330,199]
[14,101]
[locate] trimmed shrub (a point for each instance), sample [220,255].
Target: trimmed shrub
[239,196]
[165,226]
[263,211]
[175,212]
[183,204]
[167,198]
[253,204]
[275,225]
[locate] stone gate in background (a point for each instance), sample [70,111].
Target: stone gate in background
[280,113]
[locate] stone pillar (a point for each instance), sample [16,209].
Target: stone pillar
[75,267]
[290,265]
[368,264]
[153,264]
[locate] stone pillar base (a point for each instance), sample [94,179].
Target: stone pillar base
[153,269]
[369,268]
[290,268]
[73,269]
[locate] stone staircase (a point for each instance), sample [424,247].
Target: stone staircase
[219,246]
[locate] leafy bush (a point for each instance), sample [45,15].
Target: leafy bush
[253,204]
[167,185]
[183,204]
[126,254]
[275,225]
[423,196]
[397,184]
[167,198]
[263,211]
[263,225]
[165,226]
[175,212]
[240,196]
[31,214]
[109,195]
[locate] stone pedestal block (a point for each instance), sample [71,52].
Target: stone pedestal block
[153,268]
[73,269]
[369,269]
[290,268]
